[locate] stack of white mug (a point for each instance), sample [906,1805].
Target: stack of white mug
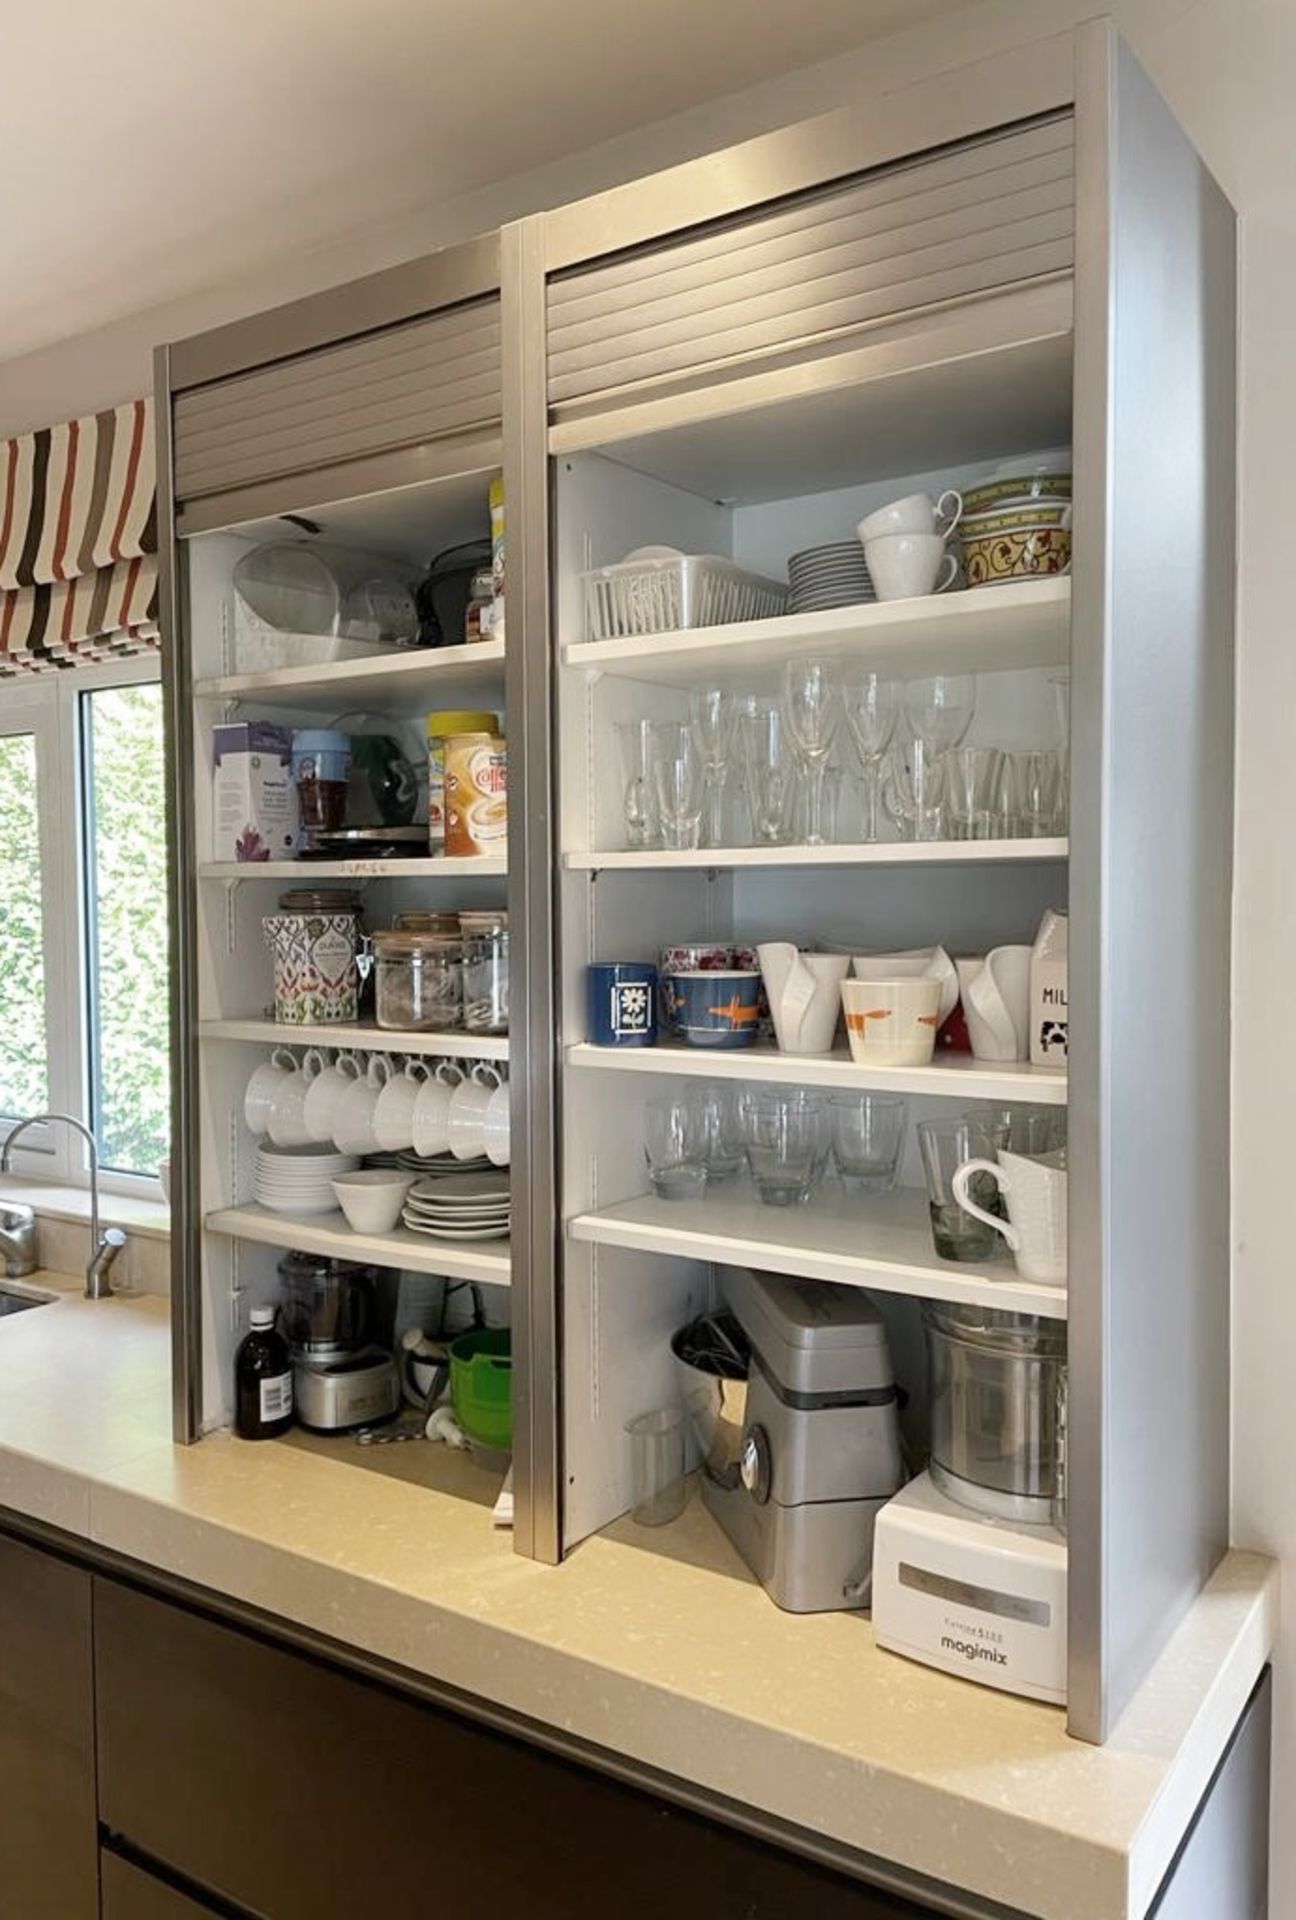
[904,545]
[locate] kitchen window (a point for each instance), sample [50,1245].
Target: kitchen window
[83,919]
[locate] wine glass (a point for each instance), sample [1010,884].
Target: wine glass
[769,768]
[711,711]
[812,702]
[677,784]
[940,708]
[871,714]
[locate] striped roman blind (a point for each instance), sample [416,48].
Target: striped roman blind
[78,541]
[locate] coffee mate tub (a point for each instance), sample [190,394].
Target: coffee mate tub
[476,794]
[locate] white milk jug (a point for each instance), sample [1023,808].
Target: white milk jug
[1048,992]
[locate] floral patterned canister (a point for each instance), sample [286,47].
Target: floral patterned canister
[316,979]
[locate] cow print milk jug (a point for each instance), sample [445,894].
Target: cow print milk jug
[1048,992]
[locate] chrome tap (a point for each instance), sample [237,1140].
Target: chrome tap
[17,1239]
[104,1247]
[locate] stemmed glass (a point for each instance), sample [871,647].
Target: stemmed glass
[940,709]
[871,714]
[769,769]
[677,784]
[711,711]
[812,702]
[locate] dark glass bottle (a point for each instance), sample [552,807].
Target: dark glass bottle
[263,1381]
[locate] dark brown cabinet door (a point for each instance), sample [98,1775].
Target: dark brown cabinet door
[301,1793]
[129,1893]
[48,1842]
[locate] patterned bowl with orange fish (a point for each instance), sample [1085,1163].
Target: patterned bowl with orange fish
[719,1007]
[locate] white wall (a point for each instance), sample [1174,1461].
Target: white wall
[1227,67]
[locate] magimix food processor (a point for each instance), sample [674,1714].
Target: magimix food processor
[338,1319]
[970,1560]
[801,1454]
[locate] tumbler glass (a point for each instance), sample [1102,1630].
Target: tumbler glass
[868,1131]
[721,1112]
[787,1144]
[913,791]
[1031,793]
[674,1147]
[972,787]
[659,1489]
[945,1145]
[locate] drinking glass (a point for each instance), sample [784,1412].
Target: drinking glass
[677,784]
[812,700]
[913,791]
[1030,793]
[711,712]
[634,742]
[722,1119]
[868,1131]
[945,1145]
[972,786]
[1023,1128]
[674,1147]
[871,712]
[787,1144]
[940,709]
[1061,684]
[659,1488]
[769,767]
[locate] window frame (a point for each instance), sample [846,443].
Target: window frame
[48,706]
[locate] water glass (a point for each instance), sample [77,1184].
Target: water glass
[945,1145]
[913,791]
[972,787]
[1030,786]
[722,1118]
[787,1144]
[677,784]
[674,1146]
[1024,1129]
[638,807]
[658,1487]
[868,1131]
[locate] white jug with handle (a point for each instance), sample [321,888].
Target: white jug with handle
[804,992]
[996,1003]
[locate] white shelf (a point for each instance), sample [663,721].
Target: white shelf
[882,1242]
[985,630]
[955,1076]
[399,684]
[306,872]
[880,853]
[278,1033]
[329,1234]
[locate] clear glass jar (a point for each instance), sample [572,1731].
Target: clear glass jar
[485,971]
[420,982]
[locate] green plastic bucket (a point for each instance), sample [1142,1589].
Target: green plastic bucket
[481,1386]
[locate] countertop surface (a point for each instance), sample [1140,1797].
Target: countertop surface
[658,1646]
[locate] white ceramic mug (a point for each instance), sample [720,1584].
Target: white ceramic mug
[495,1126]
[892,1023]
[802,989]
[394,1113]
[353,1129]
[904,566]
[916,513]
[324,1096]
[468,1111]
[1035,1193]
[996,1003]
[263,1086]
[288,1109]
[432,1109]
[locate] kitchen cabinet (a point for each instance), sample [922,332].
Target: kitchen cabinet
[129,1892]
[48,1867]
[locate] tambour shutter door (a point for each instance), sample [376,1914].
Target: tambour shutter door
[424,380]
[967,221]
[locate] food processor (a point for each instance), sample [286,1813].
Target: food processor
[970,1560]
[801,1454]
[338,1319]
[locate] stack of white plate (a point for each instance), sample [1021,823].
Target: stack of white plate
[460,1206]
[298,1180]
[829,576]
[435,1164]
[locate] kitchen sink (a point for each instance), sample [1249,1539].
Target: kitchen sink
[19,1302]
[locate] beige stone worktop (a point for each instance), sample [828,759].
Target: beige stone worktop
[661,1647]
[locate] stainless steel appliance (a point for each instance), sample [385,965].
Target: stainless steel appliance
[998,1385]
[355,1391]
[338,1319]
[801,1456]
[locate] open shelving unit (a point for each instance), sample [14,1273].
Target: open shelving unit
[330,1235]
[957,1076]
[365,1038]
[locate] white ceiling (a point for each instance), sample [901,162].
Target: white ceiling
[166,147]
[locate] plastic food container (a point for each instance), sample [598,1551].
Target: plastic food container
[664,595]
[485,971]
[481,1386]
[419,981]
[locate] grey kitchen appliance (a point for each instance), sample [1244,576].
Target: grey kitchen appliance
[798,1459]
[338,1319]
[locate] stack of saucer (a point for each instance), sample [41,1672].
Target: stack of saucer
[460,1206]
[829,576]
[434,1165]
[298,1180]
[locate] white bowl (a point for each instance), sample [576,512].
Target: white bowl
[372,1199]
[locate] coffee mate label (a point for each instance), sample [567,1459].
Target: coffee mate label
[476,795]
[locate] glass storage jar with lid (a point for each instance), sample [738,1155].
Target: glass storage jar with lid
[420,981]
[485,971]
